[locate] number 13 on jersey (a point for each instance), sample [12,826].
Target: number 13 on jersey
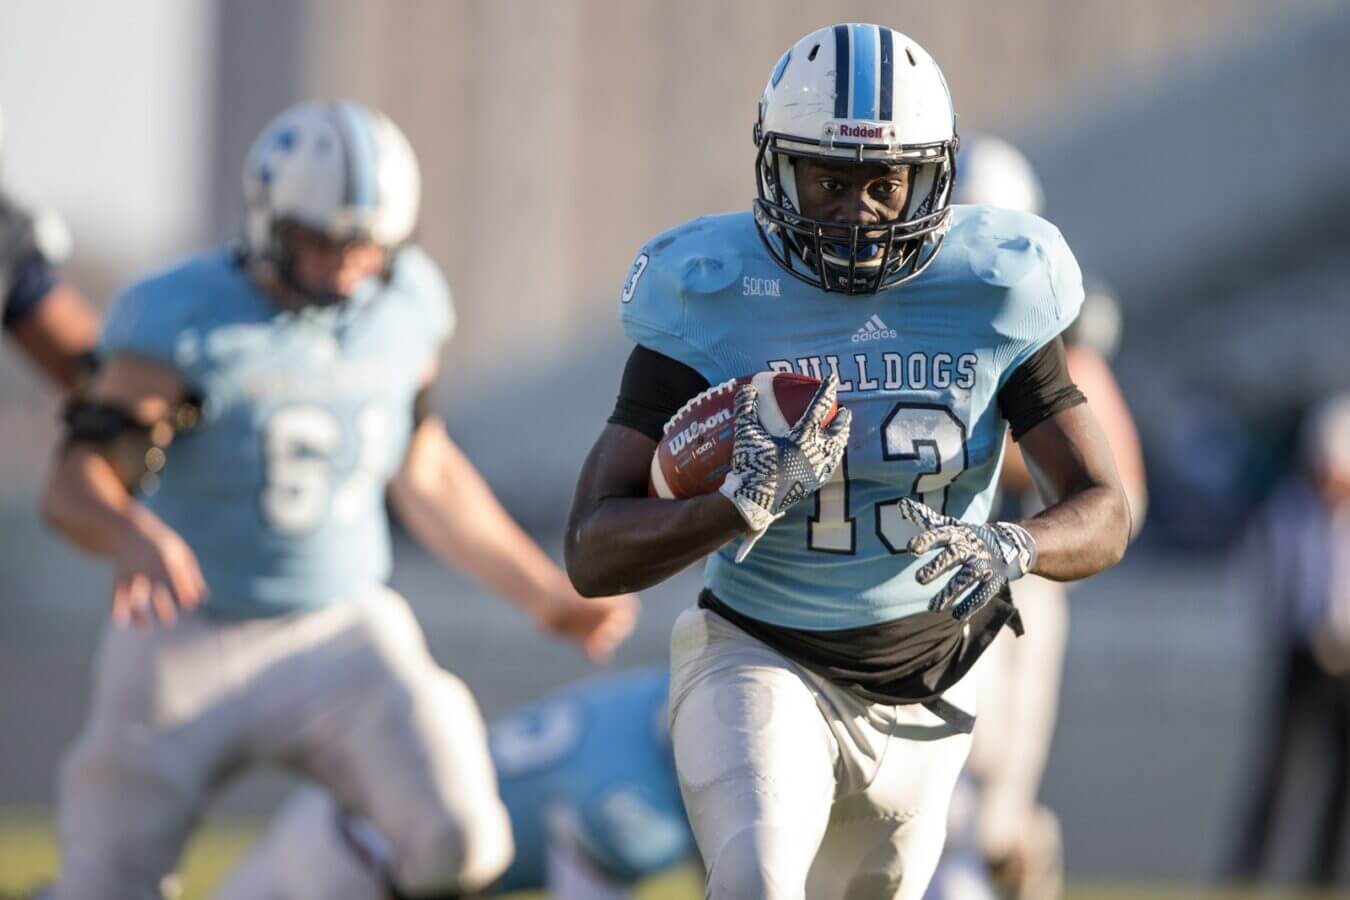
[930,441]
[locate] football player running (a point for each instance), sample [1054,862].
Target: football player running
[819,713]
[303,358]
[1004,842]
[50,319]
[587,777]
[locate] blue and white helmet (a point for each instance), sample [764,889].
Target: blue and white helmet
[338,168]
[863,93]
[995,173]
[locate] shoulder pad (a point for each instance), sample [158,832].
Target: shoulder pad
[688,265]
[149,317]
[1027,263]
[415,276]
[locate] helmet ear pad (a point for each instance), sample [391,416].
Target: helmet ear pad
[786,170]
[780,177]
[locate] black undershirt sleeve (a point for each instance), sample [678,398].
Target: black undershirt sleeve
[1038,389]
[653,389]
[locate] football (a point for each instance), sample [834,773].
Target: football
[694,453]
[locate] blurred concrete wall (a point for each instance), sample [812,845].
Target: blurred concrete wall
[1211,191]
[1191,165]
[107,117]
[555,137]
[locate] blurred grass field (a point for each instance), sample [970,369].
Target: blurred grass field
[28,857]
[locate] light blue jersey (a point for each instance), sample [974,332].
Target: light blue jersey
[306,416]
[920,366]
[599,755]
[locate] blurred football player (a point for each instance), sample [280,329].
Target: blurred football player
[50,320]
[820,716]
[588,779]
[1294,565]
[295,369]
[1002,832]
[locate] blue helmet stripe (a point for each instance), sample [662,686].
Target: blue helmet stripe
[864,71]
[841,68]
[779,69]
[887,73]
[359,142]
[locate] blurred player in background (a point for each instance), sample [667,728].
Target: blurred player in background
[48,317]
[1295,564]
[250,617]
[820,713]
[588,779]
[1004,843]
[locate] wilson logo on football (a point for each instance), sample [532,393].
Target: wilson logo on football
[679,439]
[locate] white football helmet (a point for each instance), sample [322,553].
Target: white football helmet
[992,172]
[863,93]
[1326,435]
[338,168]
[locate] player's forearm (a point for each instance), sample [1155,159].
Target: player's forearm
[86,501]
[1082,535]
[493,550]
[1086,524]
[629,543]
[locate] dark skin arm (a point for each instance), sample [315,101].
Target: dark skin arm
[1086,524]
[1093,375]
[619,539]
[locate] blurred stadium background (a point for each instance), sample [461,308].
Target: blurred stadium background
[1193,154]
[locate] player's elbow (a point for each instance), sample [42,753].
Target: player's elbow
[590,587]
[583,561]
[1118,528]
[585,579]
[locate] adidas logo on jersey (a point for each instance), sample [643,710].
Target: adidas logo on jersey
[873,330]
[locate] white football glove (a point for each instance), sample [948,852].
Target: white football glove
[986,557]
[769,474]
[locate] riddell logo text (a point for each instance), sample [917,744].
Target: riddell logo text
[860,131]
[681,438]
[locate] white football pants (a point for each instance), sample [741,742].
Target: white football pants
[347,696]
[796,787]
